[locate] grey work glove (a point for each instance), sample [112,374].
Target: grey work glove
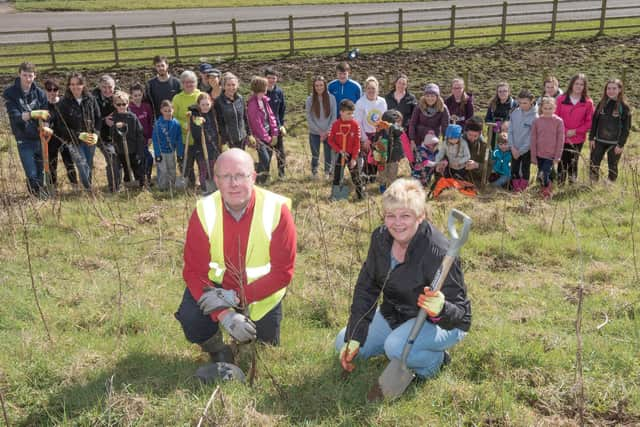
[239,326]
[214,299]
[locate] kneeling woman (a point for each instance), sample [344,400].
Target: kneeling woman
[404,255]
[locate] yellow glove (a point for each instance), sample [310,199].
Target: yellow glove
[283,131]
[348,352]
[431,302]
[40,114]
[46,130]
[252,141]
[225,147]
[88,138]
[198,121]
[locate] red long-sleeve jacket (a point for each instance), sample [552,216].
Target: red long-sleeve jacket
[349,129]
[197,256]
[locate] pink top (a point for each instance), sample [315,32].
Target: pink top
[577,117]
[547,138]
[144,113]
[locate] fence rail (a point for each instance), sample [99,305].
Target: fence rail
[54,48]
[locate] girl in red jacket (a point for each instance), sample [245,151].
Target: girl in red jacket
[575,108]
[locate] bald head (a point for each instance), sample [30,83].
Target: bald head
[234,175]
[234,156]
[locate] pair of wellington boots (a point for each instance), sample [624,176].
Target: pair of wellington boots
[519,185]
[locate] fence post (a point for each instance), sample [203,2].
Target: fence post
[467,82]
[234,37]
[291,39]
[503,31]
[51,50]
[116,54]
[400,28]
[174,35]
[554,20]
[452,28]
[346,32]
[603,16]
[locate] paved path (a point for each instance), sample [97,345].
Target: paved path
[275,17]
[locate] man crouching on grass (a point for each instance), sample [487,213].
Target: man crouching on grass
[239,257]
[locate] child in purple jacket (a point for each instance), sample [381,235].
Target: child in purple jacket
[144,113]
[263,126]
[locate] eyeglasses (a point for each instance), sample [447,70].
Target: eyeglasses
[238,177]
[121,104]
[52,89]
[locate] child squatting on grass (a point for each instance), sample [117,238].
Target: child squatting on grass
[167,144]
[501,157]
[457,155]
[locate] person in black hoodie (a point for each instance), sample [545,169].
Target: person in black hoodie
[231,113]
[80,117]
[203,122]
[23,99]
[57,144]
[609,129]
[126,126]
[404,255]
[500,108]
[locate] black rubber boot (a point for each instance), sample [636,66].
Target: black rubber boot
[217,349]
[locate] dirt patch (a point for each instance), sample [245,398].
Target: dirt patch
[524,65]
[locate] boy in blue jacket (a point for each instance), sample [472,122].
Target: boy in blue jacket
[343,87]
[501,158]
[26,103]
[167,143]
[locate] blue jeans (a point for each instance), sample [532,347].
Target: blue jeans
[544,168]
[502,181]
[264,161]
[82,156]
[314,143]
[426,355]
[30,152]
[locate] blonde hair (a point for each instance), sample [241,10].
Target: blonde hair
[439,105]
[547,100]
[405,193]
[373,80]
[121,95]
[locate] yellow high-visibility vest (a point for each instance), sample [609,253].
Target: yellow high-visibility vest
[266,217]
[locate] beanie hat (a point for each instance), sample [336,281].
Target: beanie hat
[432,88]
[453,131]
[430,140]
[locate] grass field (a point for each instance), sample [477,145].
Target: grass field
[107,274]
[100,5]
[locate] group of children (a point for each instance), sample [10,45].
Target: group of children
[548,133]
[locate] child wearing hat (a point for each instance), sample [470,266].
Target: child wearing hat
[457,154]
[426,159]
[431,115]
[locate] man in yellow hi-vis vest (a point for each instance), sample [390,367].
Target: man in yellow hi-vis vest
[239,257]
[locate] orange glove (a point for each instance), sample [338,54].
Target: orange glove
[348,353]
[431,302]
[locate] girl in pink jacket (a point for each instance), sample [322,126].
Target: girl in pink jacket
[575,108]
[263,126]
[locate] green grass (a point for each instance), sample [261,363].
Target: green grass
[99,54]
[129,364]
[102,5]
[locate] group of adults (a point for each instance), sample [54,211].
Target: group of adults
[81,119]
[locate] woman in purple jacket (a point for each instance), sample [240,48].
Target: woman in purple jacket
[263,126]
[431,115]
